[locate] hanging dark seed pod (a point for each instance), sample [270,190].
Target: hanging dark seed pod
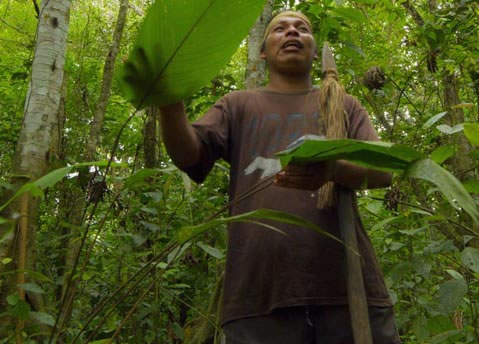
[96,191]
[392,198]
[374,78]
[432,62]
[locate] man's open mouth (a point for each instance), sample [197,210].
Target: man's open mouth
[295,44]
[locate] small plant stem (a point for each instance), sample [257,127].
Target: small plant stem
[152,284]
[22,253]
[144,270]
[130,313]
[249,192]
[261,185]
[472,307]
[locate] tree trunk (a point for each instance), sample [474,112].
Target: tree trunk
[99,115]
[462,163]
[475,80]
[77,201]
[256,67]
[34,144]
[150,143]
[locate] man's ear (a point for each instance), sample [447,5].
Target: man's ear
[262,55]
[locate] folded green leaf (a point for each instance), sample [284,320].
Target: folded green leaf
[182,45]
[450,130]
[434,119]
[383,156]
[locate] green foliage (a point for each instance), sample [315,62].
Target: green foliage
[424,244]
[180,47]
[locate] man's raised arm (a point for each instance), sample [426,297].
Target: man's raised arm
[180,139]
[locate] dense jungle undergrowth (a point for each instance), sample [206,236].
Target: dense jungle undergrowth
[113,207]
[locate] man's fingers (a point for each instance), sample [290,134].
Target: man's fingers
[284,179]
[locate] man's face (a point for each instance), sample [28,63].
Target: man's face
[290,46]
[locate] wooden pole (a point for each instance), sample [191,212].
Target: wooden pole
[358,307]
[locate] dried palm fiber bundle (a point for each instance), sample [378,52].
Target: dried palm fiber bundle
[374,78]
[335,122]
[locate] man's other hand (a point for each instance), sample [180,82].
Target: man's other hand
[306,177]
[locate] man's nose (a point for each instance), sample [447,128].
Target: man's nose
[291,30]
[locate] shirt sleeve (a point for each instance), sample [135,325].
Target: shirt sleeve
[213,130]
[360,126]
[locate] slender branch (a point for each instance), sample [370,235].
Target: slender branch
[468,229]
[414,13]
[146,269]
[405,95]
[37,9]
[138,301]
[14,28]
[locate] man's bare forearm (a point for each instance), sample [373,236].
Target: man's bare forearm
[356,177]
[178,135]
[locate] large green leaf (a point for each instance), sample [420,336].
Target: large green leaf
[451,294]
[452,189]
[31,287]
[351,14]
[434,119]
[471,130]
[382,156]
[36,187]
[212,251]
[188,232]
[443,153]
[182,45]
[470,258]
[446,129]
[43,318]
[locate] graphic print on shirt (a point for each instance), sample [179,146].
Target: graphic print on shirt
[268,137]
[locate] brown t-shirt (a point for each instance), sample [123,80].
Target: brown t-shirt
[266,269]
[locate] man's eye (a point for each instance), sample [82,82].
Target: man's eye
[303,29]
[278,28]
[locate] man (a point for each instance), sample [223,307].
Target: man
[283,288]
